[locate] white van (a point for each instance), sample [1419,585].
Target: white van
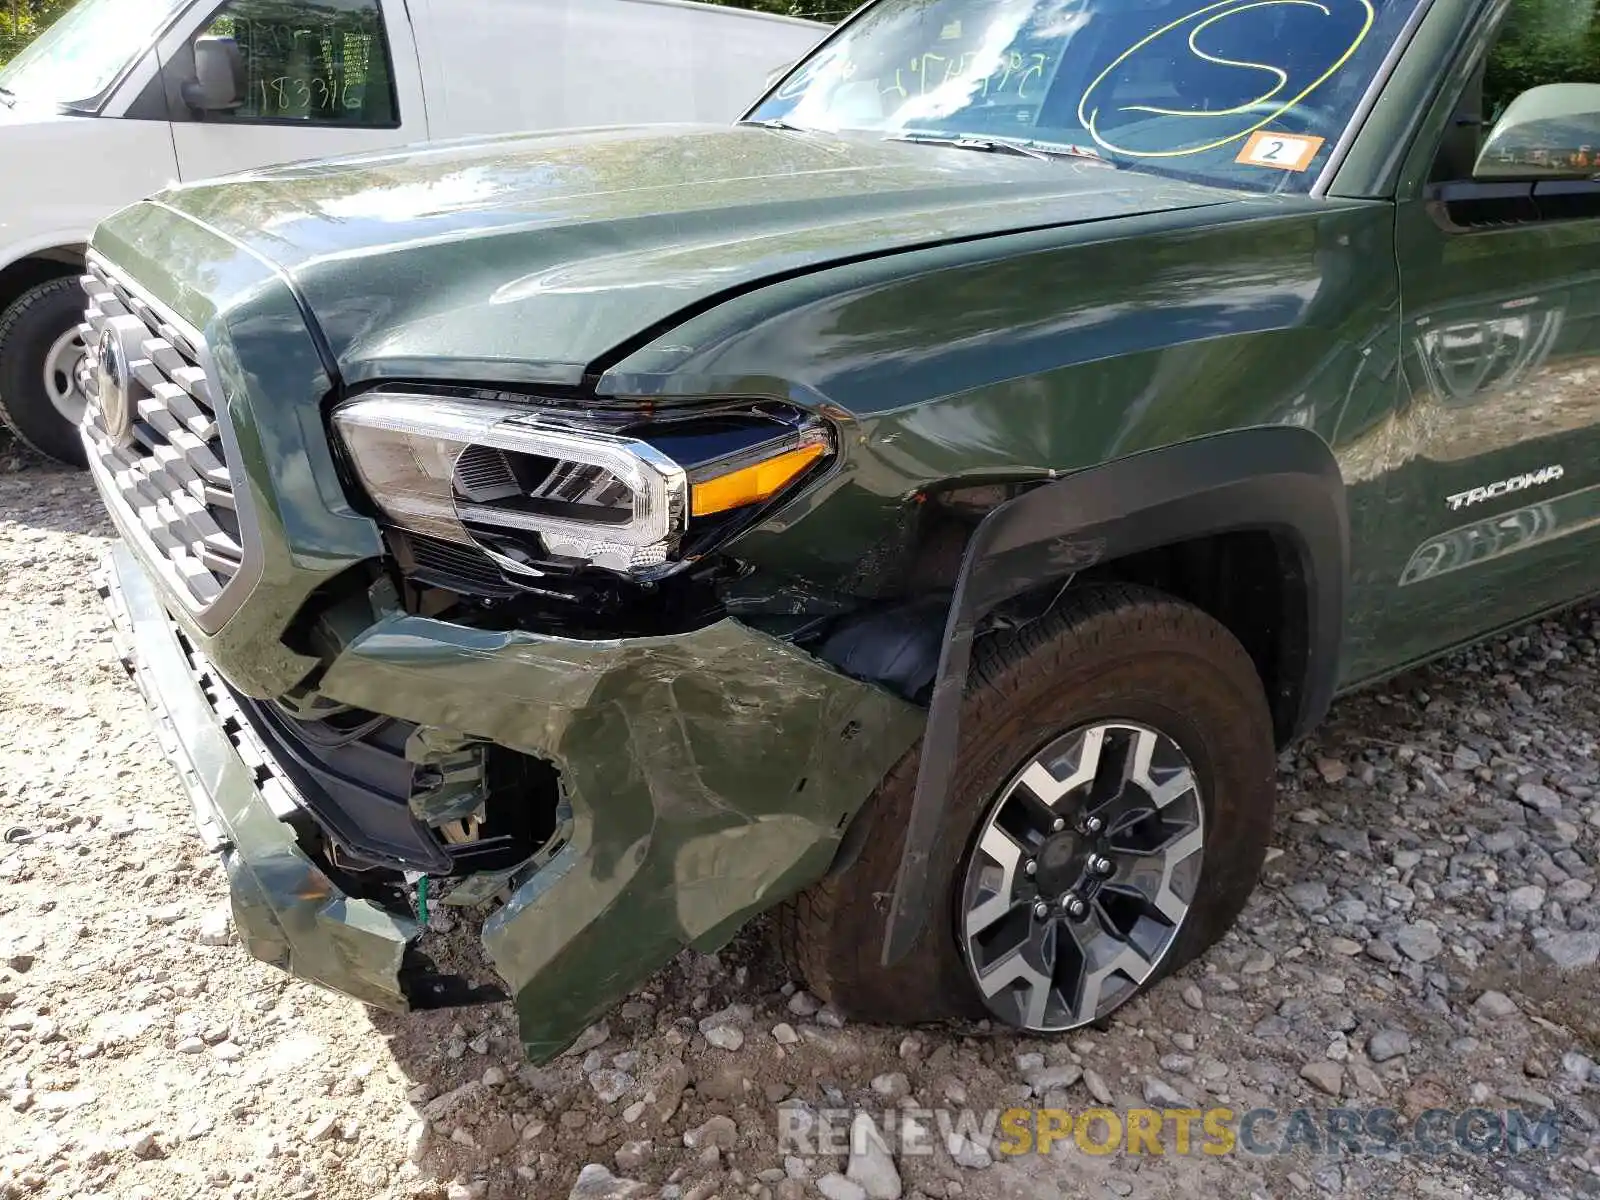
[122,97]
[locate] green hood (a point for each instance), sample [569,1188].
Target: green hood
[526,259]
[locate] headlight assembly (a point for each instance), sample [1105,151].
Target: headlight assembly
[526,491]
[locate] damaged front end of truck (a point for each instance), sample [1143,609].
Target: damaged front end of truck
[509,672]
[613,803]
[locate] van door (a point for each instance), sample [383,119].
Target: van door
[312,79]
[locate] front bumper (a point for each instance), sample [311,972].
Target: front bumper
[287,911]
[709,774]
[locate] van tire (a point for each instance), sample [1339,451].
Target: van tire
[29,328]
[1108,652]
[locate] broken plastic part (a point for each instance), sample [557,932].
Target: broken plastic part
[286,908]
[769,594]
[450,783]
[480,888]
[710,775]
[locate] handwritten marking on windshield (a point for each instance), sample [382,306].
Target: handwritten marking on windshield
[932,71]
[1278,73]
[1014,77]
[1267,106]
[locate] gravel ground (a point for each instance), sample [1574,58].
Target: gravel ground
[1426,936]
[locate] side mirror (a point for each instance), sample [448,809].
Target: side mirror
[1551,131]
[219,81]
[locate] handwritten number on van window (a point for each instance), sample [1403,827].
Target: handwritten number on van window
[302,67]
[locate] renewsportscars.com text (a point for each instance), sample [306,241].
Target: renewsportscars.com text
[1263,1132]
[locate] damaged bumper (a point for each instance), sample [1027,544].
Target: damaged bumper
[285,908]
[708,775]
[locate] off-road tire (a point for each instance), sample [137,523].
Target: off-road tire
[27,331]
[1108,651]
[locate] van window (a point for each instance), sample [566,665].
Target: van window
[325,63]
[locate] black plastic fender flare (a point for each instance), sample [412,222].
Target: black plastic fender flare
[1282,479]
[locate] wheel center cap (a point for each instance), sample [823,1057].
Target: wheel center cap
[1062,860]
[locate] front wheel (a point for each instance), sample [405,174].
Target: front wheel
[41,350]
[1109,818]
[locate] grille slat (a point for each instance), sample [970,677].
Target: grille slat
[193,381]
[180,420]
[171,475]
[147,373]
[166,357]
[108,303]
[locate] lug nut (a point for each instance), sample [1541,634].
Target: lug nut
[1029,867]
[1058,824]
[1041,910]
[1074,906]
[1092,825]
[1100,866]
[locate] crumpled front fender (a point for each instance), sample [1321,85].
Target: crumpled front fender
[710,775]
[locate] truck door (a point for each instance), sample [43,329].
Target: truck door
[312,80]
[1495,489]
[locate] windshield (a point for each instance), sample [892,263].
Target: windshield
[1241,93]
[79,56]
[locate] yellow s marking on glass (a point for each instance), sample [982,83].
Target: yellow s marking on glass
[1283,76]
[1229,7]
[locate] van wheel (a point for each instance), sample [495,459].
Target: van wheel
[1108,820]
[40,350]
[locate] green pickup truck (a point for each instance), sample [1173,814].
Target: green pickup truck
[922,509]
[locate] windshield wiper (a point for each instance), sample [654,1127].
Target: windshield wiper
[776,123]
[1025,147]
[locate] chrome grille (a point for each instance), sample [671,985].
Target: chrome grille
[169,471]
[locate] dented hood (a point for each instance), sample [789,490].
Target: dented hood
[526,259]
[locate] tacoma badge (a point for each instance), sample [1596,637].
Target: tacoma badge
[1505,487]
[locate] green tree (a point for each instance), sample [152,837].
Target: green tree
[815,10]
[23,20]
[1542,41]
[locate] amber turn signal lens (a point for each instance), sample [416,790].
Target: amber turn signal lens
[753,484]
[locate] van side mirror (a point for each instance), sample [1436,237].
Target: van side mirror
[219,81]
[1548,132]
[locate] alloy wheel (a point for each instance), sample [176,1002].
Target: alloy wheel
[1082,875]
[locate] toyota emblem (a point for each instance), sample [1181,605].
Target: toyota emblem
[114,387]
